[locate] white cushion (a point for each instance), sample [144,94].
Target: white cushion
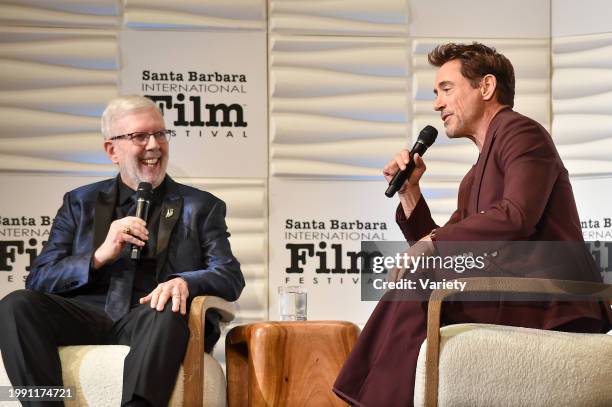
[96,372]
[4,381]
[493,365]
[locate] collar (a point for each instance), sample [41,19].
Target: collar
[125,192]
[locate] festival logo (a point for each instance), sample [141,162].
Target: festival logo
[26,220]
[214,100]
[21,239]
[595,213]
[316,232]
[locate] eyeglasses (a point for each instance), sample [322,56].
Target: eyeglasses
[141,138]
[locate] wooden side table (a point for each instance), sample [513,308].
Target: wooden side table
[289,363]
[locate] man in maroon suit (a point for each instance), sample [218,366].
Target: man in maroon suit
[518,190]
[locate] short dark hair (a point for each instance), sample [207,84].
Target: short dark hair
[478,60]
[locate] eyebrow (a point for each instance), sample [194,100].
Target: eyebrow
[442,84]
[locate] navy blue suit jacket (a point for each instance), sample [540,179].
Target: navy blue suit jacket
[191,243]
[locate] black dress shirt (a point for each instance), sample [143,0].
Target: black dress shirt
[145,279]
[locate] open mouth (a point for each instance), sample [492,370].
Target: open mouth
[150,162]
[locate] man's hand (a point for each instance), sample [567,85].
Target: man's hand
[176,289]
[426,238]
[410,192]
[399,162]
[122,231]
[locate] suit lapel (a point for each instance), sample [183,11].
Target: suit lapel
[103,213]
[482,162]
[169,216]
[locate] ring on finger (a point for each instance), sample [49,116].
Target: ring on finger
[126,229]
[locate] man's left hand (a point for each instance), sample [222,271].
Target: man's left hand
[426,238]
[176,289]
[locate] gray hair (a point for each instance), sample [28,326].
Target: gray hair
[122,105]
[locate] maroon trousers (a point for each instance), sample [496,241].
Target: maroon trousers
[380,371]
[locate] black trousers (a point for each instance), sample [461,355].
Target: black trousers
[34,324]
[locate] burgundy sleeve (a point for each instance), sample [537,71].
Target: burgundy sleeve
[418,224]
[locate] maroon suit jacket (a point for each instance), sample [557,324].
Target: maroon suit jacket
[519,190]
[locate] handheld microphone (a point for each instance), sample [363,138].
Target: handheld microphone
[143,202]
[427,136]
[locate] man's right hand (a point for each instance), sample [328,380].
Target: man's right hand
[410,192]
[121,232]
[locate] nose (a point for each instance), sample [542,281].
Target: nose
[438,103]
[152,143]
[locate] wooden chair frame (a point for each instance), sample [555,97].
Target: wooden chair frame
[193,362]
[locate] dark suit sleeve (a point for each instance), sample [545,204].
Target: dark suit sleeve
[531,168]
[57,269]
[221,275]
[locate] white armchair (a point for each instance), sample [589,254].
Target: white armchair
[96,371]
[494,365]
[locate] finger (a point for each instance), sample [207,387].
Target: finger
[163,299]
[405,156]
[184,288]
[126,238]
[140,232]
[390,168]
[131,226]
[176,299]
[118,227]
[125,226]
[401,161]
[419,164]
[183,304]
[388,176]
[155,297]
[134,220]
[145,299]
[418,160]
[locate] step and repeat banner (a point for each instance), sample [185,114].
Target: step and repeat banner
[212,89]
[29,205]
[593,198]
[316,230]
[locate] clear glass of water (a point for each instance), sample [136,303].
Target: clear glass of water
[292,303]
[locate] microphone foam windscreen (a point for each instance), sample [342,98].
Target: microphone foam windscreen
[428,135]
[145,190]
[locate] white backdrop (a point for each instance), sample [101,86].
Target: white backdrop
[338,87]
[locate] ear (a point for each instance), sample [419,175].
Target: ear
[488,84]
[111,152]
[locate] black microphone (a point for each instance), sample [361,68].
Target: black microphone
[427,136]
[143,202]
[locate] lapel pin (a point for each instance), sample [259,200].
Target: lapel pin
[169,213]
